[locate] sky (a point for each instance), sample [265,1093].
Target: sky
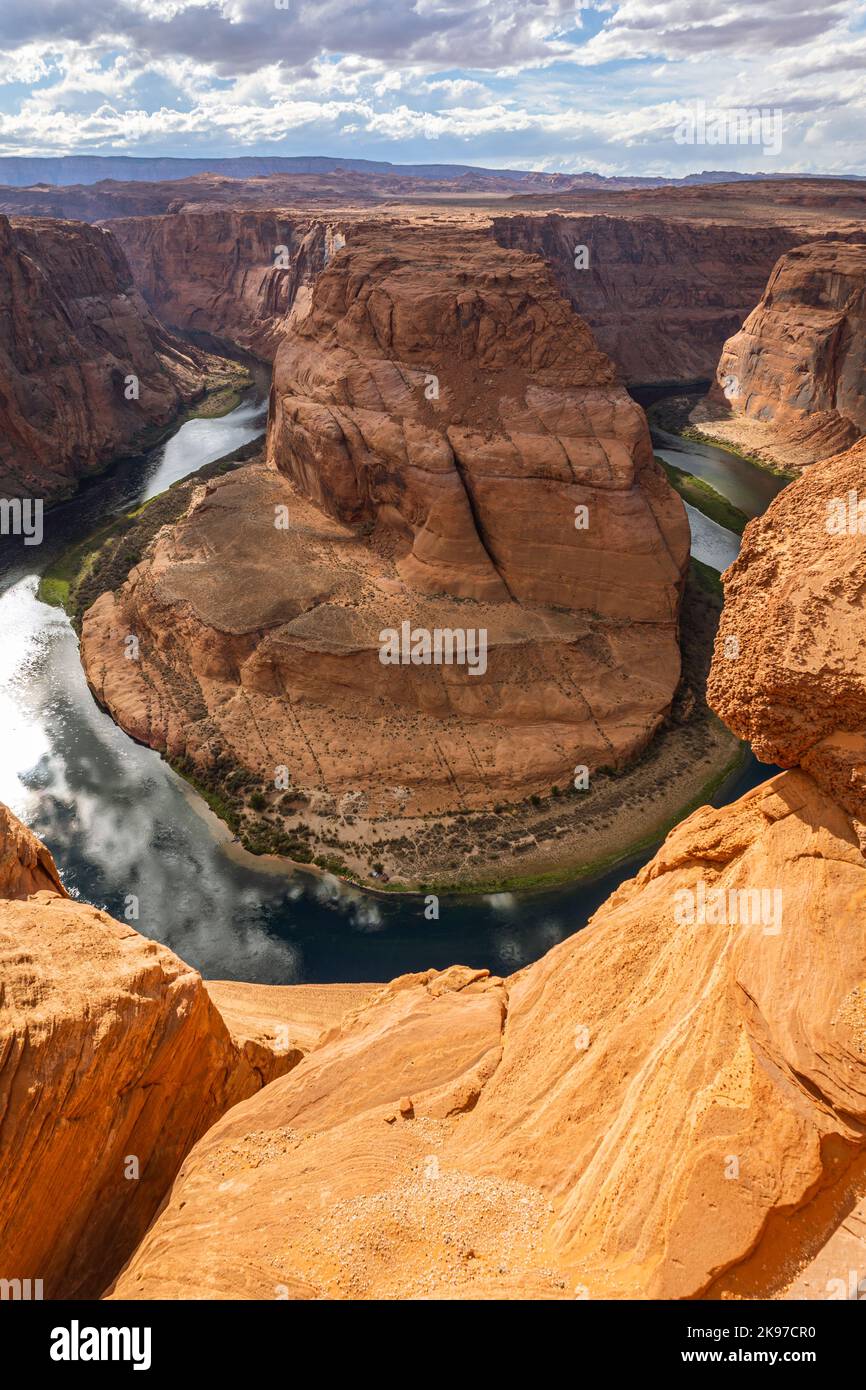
[535,84]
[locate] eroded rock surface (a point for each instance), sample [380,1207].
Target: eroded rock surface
[793,681]
[73,330]
[660,293]
[569,1130]
[441,393]
[794,376]
[439,420]
[225,272]
[113,1061]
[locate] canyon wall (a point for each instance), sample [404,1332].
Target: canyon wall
[448,450]
[73,329]
[661,294]
[113,1061]
[794,376]
[228,273]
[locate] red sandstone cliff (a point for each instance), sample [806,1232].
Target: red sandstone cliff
[794,376]
[438,418]
[661,294]
[222,272]
[73,329]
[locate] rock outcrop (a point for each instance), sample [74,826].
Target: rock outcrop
[790,667]
[794,376]
[73,331]
[450,451]
[441,394]
[620,1119]
[231,274]
[660,293]
[113,1061]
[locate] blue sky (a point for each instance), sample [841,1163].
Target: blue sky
[538,84]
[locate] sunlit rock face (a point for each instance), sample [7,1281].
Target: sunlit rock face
[442,393]
[789,671]
[621,1119]
[113,1061]
[796,369]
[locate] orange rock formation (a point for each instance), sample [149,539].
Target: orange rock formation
[440,423]
[794,679]
[113,1061]
[794,376]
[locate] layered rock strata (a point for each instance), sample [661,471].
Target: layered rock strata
[87,372]
[661,294]
[449,451]
[794,376]
[228,273]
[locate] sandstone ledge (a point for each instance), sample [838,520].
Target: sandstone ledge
[570,1128]
[113,1061]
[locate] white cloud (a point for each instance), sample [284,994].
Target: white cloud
[542,83]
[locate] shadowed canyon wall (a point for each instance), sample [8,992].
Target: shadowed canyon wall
[228,273]
[73,329]
[661,295]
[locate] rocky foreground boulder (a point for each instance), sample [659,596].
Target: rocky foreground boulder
[113,1061]
[448,451]
[621,1119]
[87,371]
[789,672]
[794,376]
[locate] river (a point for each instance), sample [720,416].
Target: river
[122,825]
